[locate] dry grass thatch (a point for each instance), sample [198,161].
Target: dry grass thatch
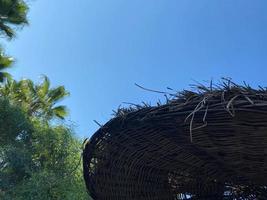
[205,144]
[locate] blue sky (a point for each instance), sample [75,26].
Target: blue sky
[98,49]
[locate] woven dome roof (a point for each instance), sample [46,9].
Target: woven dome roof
[205,144]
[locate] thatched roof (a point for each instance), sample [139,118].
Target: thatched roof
[210,143]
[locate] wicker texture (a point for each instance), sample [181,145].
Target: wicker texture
[208,144]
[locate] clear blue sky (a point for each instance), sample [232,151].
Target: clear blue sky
[98,49]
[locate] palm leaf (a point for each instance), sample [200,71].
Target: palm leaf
[7,30]
[60,111]
[57,94]
[43,88]
[4,76]
[5,61]
[12,12]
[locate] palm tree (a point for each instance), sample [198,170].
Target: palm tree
[47,98]
[5,63]
[38,100]
[12,13]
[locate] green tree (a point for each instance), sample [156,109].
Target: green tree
[13,14]
[38,100]
[37,160]
[5,63]
[15,136]
[58,173]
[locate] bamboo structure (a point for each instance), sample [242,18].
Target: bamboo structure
[207,144]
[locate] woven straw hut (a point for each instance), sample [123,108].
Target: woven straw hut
[206,144]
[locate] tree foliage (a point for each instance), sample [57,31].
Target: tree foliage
[38,160]
[15,132]
[38,100]
[13,14]
[53,170]
[5,63]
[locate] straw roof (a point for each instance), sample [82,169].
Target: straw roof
[209,143]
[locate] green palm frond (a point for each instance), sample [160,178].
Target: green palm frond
[43,88]
[4,76]
[38,100]
[60,111]
[12,13]
[5,62]
[7,30]
[57,94]
[27,87]
[18,14]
